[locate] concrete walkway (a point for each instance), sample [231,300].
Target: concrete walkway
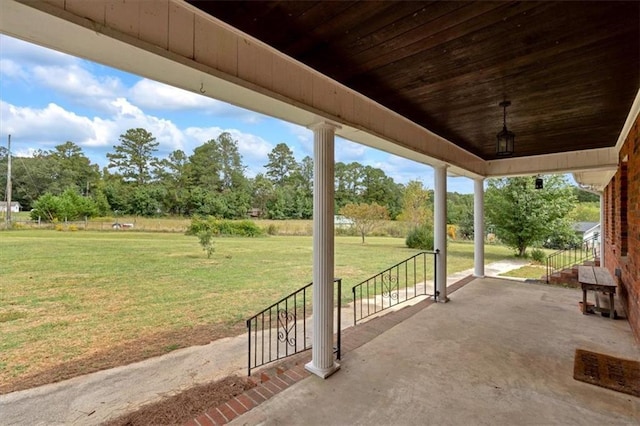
[94,398]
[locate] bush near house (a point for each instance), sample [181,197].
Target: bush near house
[420,237]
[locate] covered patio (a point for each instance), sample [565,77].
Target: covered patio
[501,352]
[422,80]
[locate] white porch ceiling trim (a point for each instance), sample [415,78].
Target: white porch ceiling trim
[564,162]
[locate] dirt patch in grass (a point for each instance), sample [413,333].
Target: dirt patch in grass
[138,350]
[182,407]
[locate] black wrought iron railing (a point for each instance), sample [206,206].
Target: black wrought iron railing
[284,328]
[401,282]
[561,259]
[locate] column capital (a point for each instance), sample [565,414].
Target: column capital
[324,124]
[441,166]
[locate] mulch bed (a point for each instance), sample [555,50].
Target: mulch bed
[180,408]
[127,353]
[618,374]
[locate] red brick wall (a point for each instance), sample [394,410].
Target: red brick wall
[623,231]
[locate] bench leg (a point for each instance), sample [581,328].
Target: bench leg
[612,310]
[584,302]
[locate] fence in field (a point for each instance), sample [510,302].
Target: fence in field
[159,225]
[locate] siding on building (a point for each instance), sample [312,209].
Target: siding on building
[15,206]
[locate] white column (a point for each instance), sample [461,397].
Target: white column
[602,228]
[440,231]
[478,228]
[322,363]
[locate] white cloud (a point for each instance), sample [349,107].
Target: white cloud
[303,134]
[73,80]
[12,70]
[348,152]
[403,170]
[29,54]
[251,146]
[23,152]
[44,127]
[79,85]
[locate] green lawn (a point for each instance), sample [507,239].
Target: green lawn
[65,296]
[528,271]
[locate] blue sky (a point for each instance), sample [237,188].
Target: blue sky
[48,98]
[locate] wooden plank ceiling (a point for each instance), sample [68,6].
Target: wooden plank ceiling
[570,69]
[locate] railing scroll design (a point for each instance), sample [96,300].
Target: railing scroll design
[284,328]
[399,283]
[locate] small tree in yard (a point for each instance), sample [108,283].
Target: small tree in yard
[201,228]
[206,241]
[366,217]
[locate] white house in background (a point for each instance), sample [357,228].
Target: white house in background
[15,206]
[340,221]
[587,230]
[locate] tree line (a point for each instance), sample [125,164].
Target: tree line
[211,181]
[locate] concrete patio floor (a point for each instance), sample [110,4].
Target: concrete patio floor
[500,352]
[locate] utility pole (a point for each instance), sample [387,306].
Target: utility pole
[8,196]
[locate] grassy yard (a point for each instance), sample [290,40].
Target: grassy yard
[74,302]
[529,271]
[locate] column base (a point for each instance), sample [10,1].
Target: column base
[442,300]
[322,372]
[479,276]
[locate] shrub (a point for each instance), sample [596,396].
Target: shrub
[538,255]
[451,231]
[345,231]
[73,228]
[272,229]
[242,228]
[396,229]
[420,237]
[59,227]
[245,228]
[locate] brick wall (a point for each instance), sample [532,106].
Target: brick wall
[622,248]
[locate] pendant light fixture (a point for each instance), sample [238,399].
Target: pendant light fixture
[504,145]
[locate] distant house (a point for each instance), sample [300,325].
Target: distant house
[15,207]
[254,212]
[340,221]
[587,230]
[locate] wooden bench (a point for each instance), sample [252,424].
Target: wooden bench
[597,279]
